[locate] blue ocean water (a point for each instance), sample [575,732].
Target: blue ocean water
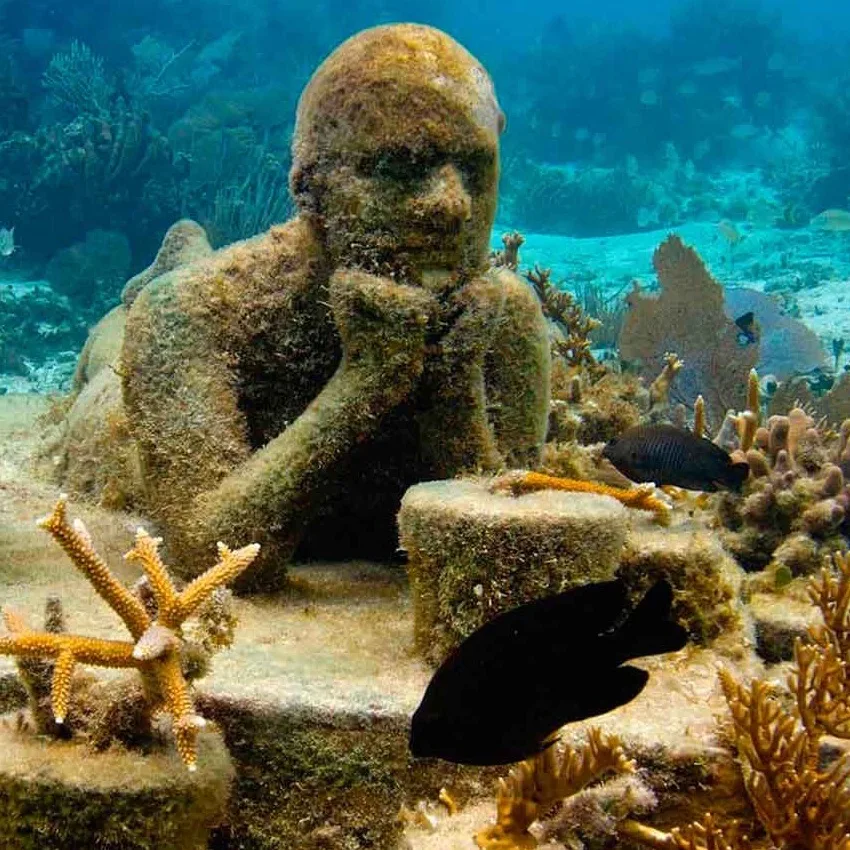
[622,118]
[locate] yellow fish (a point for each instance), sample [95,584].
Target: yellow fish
[837,221]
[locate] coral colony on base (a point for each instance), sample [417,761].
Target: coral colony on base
[516,368]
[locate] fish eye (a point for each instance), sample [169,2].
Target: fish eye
[634,457]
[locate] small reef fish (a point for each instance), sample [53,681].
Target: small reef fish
[834,220]
[7,241]
[665,454]
[749,331]
[501,695]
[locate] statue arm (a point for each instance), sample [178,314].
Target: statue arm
[269,498]
[518,373]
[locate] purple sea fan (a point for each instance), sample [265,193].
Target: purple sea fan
[787,346]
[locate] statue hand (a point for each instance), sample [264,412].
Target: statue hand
[469,318]
[379,319]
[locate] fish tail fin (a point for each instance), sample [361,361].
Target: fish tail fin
[649,630]
[738,474]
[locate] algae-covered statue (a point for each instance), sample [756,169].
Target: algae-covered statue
[287,389]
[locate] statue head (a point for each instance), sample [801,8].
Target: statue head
[395,153]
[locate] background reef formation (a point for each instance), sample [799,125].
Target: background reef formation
[298,382]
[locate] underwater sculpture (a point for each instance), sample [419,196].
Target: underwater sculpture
[570,647]
[289,388]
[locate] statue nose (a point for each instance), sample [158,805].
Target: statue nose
[444,195]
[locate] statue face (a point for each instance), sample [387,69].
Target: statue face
[396,154]
[412,207]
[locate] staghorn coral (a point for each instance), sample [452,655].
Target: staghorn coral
[534,786]
[688,318]
[156,637]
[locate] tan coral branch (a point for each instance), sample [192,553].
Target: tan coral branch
[536,784]
[76,542]
[155,648]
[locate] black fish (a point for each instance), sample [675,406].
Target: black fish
[749,330]
[665,454]
[503,693]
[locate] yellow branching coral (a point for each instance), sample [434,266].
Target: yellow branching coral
[561,308]
[640,498]
[821,681]
[535,785]
[154,650]
[704,834]
[801,803]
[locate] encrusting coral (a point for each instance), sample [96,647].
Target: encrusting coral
[155,628]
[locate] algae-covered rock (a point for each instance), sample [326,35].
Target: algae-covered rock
[706,581]
[474,554]
[60,795]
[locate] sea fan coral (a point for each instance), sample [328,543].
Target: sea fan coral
[688,317]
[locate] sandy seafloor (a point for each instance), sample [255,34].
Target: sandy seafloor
[813,265]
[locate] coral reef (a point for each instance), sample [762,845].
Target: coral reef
[274,388]
[688,317]
[473,553]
